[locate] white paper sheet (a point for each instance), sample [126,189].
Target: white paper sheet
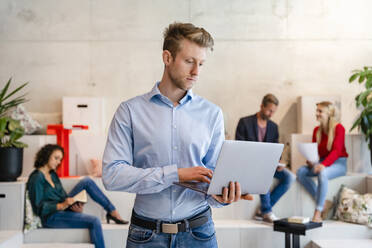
[309,151]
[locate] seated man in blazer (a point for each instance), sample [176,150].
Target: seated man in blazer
[260,128]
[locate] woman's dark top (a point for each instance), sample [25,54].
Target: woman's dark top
[43,196]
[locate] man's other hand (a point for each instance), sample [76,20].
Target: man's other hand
[198,173]
[309,164]
[232,194]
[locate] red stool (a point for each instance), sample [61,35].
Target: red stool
[63,140]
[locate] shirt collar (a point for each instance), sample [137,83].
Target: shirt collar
[155,92]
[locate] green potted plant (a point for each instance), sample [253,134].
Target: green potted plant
[11,149]
[364,102]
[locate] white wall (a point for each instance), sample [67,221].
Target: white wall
[112,48]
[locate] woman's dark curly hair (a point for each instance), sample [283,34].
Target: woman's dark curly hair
[43,155]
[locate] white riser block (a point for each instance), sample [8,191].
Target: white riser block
[114,235]
[11,239]
[336,230]
[246,233]
[58,245]
[342,243]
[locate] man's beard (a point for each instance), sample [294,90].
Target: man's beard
[264,117]
[177,82]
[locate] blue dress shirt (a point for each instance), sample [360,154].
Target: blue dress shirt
[149,139]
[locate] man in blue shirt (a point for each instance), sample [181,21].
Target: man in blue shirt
[164,136]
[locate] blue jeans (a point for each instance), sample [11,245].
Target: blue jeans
[319,192]
[202,236]
[69,219]
[286,178]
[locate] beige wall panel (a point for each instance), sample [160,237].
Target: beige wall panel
[238,74]
[54,69]
[135,19]
[237,20]
[44,20]
[331,19]
[122,70]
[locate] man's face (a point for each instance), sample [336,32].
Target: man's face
[184,69]
[268,111]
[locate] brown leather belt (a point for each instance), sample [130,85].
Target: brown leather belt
[172,227]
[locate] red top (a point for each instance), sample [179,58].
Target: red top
[338,146]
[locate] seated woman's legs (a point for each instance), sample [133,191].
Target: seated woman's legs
[94,192]
[69,219]
[304,175]
[98,196]
[337,169]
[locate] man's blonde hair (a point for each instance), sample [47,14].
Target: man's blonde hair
[176,32]
[332,123]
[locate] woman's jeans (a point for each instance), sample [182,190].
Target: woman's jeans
[198,237]
[69,219]
[286,178]
[319,192]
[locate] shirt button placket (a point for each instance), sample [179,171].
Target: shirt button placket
[174,153]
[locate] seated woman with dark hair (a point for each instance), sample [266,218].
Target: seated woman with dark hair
[56,208]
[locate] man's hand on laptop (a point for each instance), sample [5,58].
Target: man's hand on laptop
[197,173]
[232,194]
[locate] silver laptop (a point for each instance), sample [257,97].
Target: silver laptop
[252,164]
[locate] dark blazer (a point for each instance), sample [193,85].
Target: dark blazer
[247,129]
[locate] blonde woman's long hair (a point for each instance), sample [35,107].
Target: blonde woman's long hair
[332,123]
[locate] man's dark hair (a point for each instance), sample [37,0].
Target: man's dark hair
[176,32]
[43,155]
[270,98]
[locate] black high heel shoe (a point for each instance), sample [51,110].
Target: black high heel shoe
[116,220]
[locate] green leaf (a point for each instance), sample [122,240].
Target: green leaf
[19,144]
[353,77]
[4,90]
[14,136]
[13,103]
[364,125]
[362,98]
[15,91]
[5,106]
[14,125]
[361,79]
[369,82]
[3,122]
[356,123]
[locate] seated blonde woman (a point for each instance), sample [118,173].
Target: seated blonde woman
[55,207]
[330,136]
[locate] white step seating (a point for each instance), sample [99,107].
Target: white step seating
[58,245]
[234,227]
[342,243]
[114,235]
[230,233]
[10,239]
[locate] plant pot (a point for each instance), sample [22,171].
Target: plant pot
[11,160]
